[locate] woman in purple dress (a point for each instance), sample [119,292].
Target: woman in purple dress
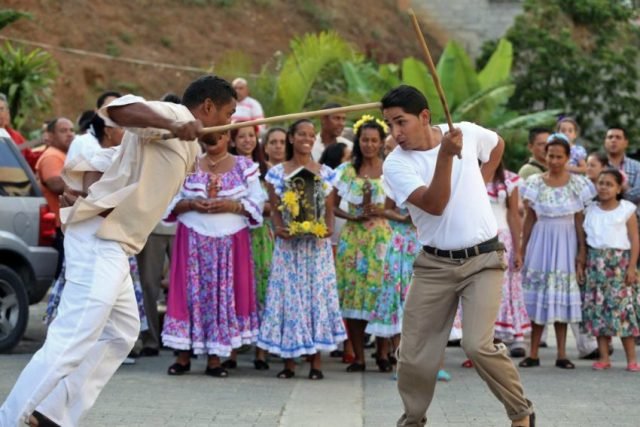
[212,306]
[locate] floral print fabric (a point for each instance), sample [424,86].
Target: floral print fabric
[610,307]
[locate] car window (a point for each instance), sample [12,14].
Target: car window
[14,181]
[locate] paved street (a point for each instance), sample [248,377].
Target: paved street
[143,395]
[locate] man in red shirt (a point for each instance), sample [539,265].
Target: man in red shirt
[5,123]
[49,172]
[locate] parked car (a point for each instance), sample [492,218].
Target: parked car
[27,259]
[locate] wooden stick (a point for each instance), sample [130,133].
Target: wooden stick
[288,117]
[431,67]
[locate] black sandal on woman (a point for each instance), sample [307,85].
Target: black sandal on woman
[529,362]
[384,365]
[565,364]
[260,365]
[285,374]
[356,367]
[316,374]
[230,364]
[178,369]
[218,372]
[42,420]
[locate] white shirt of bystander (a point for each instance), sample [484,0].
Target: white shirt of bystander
[468,219]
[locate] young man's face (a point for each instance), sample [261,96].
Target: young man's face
[214,115]
[538,145]
[334,124]
[408,130]
[614,142]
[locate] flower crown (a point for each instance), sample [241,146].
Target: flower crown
[369,118]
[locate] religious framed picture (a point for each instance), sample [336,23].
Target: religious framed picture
[303,204]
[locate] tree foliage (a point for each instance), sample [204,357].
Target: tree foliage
[9,16]
[580,56]
[26,78]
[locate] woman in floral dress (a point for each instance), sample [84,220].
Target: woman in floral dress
[403,248]
[244,142]
[211,308]
[554,203]
[302,314]
[512,324]
[364,239]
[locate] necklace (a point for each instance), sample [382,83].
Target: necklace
[212,164]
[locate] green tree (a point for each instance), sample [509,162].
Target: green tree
[580,56]
[9,16]
[26,77]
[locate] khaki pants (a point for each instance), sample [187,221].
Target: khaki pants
[429,312]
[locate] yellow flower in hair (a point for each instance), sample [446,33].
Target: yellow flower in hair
[369,118]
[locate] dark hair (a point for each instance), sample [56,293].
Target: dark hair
[265,138]
[410,99]
[601,156]
[104,95]
[617,176]
[620,128]
[499,175]
[97,128]
[292,130]
[561,142]
[218,90]
[51,125]
[533,132]
[84,120]
[332,155]
[330,105]
[571,120]
[356,154]
[171,97]
[256,155]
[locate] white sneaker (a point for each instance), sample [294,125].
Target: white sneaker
[129,361]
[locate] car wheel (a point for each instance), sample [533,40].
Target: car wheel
[14,309]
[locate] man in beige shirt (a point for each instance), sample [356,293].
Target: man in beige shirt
[97,322]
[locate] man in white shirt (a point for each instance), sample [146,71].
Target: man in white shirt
[247,107]
[461,257]
[331,127]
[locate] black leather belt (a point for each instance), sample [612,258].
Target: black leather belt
[481,248]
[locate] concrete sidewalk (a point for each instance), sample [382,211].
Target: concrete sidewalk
[143,395]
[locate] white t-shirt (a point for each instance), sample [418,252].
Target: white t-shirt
[318,147]
[467,219]
[85,144]
[608,229]
[248,109]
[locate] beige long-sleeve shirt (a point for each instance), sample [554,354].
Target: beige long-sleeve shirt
[142,180]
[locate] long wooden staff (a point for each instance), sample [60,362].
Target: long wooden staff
[288,117]
[431,67]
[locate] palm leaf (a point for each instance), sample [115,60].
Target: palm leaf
[309,55]
[481,106]
[498,69]
[530,120]
[457,75]
[415,73]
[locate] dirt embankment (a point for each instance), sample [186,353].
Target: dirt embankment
[196,33]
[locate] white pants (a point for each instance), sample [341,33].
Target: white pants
[96,327]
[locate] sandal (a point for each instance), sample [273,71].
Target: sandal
[43,421]
[633,367]
[178,369]
[565,364]
[600,366]
[260,365]
[529,362]
[285,374]
[532,421]
[218,372]
[229,364]
[356,367]
[384,365]
[467,364]
[316,374]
